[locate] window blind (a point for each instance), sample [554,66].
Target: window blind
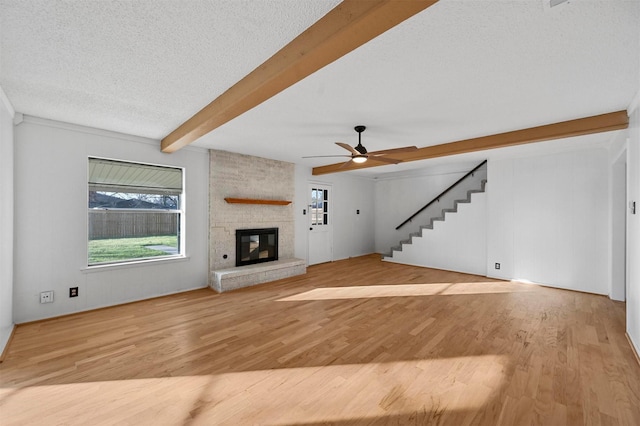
[119,176]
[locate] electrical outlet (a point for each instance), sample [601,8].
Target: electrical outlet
[46,296]
[497,265]
[73,291]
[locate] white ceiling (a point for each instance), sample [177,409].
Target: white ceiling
[457,70]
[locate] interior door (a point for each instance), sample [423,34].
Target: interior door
[320,224]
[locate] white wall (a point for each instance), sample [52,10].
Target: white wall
[51,221]
[548,219]
[352,233]
[6,219]
[633,226]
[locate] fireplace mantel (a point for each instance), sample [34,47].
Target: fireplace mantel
[256,201]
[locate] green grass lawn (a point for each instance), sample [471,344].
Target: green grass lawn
[118,249]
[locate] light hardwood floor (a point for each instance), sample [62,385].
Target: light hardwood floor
[352,342]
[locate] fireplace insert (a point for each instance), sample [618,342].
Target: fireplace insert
[256,245]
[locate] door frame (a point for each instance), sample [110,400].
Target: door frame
[619,267]
[330,210]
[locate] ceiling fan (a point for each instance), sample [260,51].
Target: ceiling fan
[359,153]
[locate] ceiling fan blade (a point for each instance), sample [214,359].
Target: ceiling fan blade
[395,150]
[325,156]
[385,160]
[348,148]
[344,164]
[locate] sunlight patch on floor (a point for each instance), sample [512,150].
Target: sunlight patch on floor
[281,396]
[405,290]
[523,281]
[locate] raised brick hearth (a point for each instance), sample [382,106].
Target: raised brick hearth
[244,276]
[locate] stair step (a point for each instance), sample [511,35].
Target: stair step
[432,220]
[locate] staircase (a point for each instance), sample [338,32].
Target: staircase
[452,198]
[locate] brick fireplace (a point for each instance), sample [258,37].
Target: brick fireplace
[240,176]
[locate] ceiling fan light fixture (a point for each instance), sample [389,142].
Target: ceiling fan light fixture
[360,155]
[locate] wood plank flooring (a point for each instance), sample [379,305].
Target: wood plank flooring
[352,342]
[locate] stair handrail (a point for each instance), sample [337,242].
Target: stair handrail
[441,194]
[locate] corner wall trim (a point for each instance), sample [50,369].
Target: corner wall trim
[7,103]
[633,347]
[635,103]
[95,131]
[9,340]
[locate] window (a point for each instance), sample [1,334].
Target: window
[319,206]
[135,211]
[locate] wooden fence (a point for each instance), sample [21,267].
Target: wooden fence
[114,224]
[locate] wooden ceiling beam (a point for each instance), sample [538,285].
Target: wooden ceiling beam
[583,126]
[346,27]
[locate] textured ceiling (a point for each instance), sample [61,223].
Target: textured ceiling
[139,67]
[459,69]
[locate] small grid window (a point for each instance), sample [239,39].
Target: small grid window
[319,206]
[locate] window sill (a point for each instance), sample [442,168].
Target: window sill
[133,264]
